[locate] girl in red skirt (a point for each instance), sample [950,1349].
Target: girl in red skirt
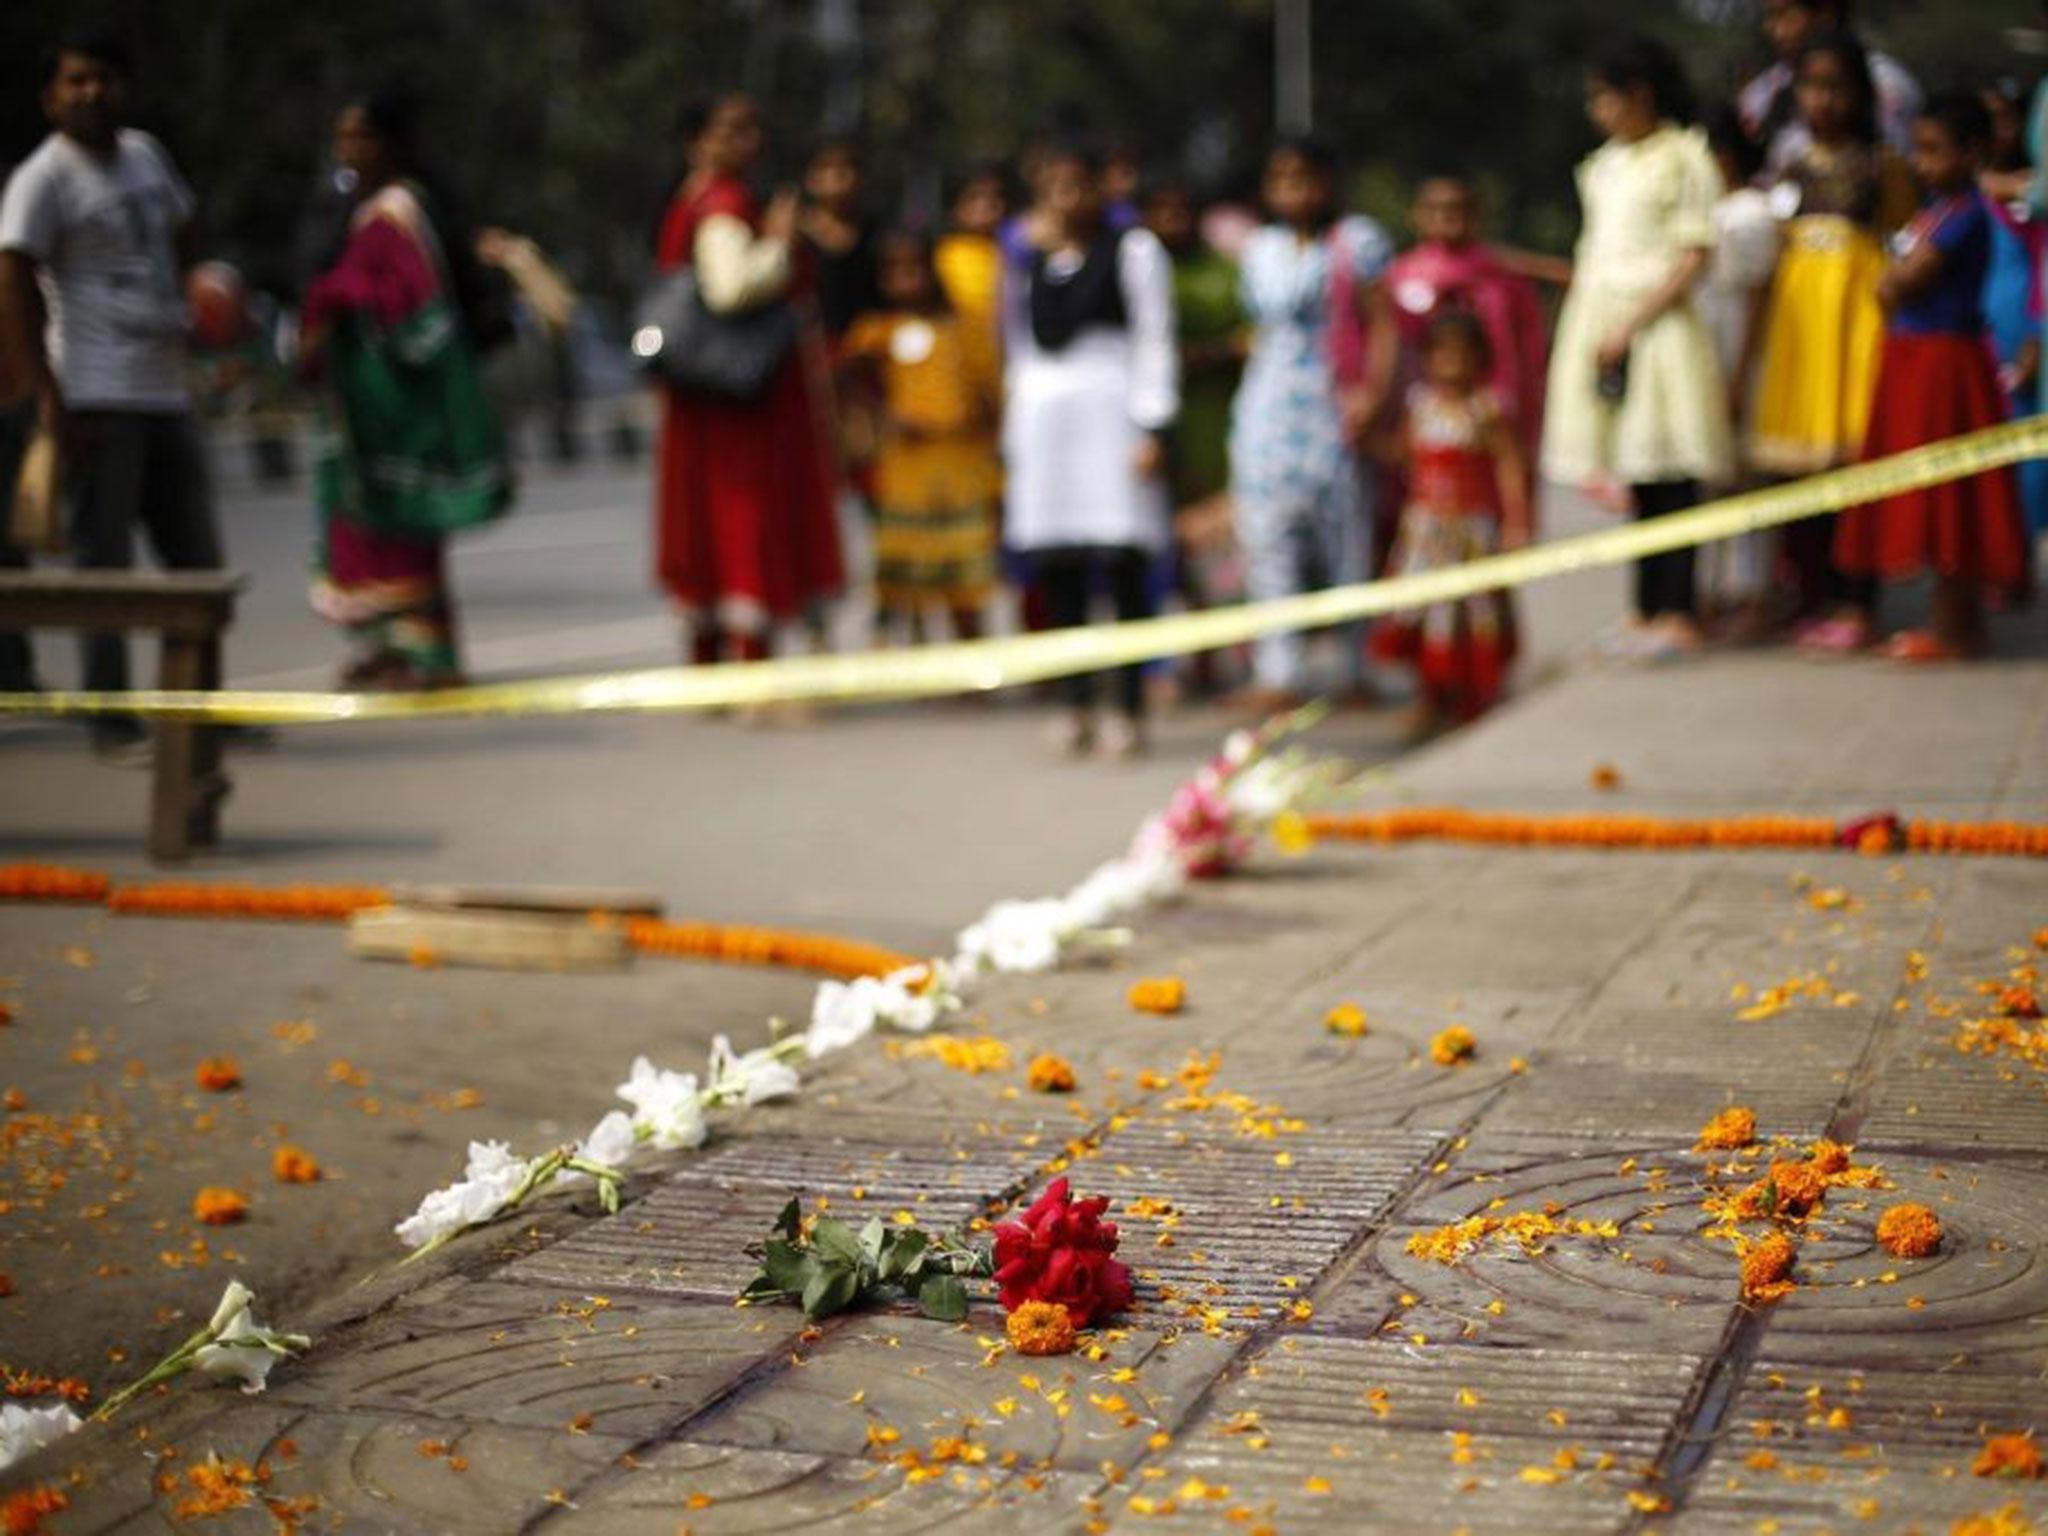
[1468,497]
[1936,380]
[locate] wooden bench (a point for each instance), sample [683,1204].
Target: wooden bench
[190,610]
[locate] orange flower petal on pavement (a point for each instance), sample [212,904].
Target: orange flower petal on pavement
[2014,1455]
[1040,1328]
[1158,994]
[1051,1074]
[1909,1231]
[218,1207]
[1345,1019]
[1767,1269]
[217,1074]
[1453,1047]
[1733,1127]
[292,1165]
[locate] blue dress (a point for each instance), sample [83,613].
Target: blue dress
[2011,320]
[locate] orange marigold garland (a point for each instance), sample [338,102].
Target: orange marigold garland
[1909,1231]
[22,1512]
[739,945]
[1869,834]
[51,882]
[283,903]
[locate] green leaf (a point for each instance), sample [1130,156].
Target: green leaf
[903,1255]
[790,1223]
[833,1288]
[871,1237]
[787,1265]
[835,1239]
[943,1297]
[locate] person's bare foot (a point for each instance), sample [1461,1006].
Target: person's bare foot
[1121,739]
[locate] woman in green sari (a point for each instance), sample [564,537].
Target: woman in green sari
[411,448]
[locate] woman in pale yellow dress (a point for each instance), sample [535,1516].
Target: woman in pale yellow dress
[1635,395]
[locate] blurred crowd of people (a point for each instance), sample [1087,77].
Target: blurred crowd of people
[1092,390]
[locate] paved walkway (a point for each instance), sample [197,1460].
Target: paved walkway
[1291,1364]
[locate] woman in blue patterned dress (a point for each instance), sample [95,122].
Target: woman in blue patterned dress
[1322,362]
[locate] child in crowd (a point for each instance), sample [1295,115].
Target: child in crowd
[936,476]
[1635,391]
[1735,573]
[1322,363]
[1936,380]
[968,258]
[1450,267]
[1094,385]
[1468,496]
[1842,194]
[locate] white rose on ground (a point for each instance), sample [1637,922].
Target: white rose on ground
[665,1105]
[24,1431]
[243,1348]
[754,1078]
[488,1183]
[610,1142]
[1018,937]
[841,1013]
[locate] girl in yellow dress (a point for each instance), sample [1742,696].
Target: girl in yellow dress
[937,480]
[1841,195]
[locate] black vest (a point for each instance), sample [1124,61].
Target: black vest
[1093,294]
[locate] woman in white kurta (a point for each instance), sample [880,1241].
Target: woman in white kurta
[1093,384]
[1635,393]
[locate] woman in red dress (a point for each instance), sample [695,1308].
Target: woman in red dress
[746,537]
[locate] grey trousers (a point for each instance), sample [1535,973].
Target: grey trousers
[130,469]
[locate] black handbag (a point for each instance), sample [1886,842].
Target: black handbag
[692,347]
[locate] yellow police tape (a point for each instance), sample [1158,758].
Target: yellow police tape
[981,665]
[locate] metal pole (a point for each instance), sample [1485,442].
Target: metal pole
[1293,66]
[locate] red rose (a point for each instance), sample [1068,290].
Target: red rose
[1060,1250]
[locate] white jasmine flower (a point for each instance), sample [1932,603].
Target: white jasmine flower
[610,1142]
[24,1431]
[1018,936]
[841,1013]
[493,1175]
[918,996]
[755,1078]
[1240,747]
[665,1105]
[242,1347]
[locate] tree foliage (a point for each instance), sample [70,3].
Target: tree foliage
[558,117]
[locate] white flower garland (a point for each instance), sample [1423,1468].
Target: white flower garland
[1212,823]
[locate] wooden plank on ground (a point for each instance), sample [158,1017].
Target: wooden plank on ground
[519,941]
[564,899]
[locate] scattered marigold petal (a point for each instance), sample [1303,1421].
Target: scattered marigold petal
[291,1165]
[218,1074]
[1345,1019]
[1158,994]
[1909,1231]
[218,1207]
[1040,1328]
[1733,1127]
[1767,1269]
[2013,1455]
[1051,1074]
[1453,1047]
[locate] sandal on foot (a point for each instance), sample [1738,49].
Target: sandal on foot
[1920,645]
